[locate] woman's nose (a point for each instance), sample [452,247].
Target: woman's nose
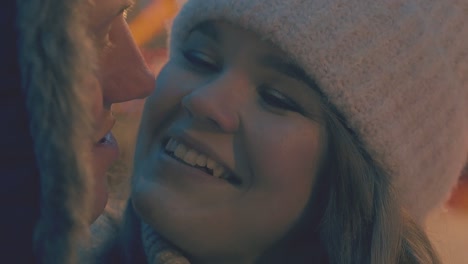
[123,72]
[217,103]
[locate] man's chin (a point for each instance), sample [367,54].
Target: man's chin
[98,206]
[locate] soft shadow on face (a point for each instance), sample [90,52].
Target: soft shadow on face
[121,76]
[230,144]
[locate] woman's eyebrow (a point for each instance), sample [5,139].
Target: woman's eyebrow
[289,69]
[208,29]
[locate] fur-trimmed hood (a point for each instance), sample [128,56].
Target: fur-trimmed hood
[49,58]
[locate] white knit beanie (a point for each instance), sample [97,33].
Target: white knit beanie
[397,70]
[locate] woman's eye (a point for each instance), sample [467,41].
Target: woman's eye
[275,99]
[200,60]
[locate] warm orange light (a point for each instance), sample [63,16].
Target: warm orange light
[150,21]
[459,198]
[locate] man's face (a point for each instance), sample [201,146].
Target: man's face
[122,76]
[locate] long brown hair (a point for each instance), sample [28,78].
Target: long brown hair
[363,221]
[353,215]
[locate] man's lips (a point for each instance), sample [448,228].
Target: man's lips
[104,130]
[108,139]
[106,150]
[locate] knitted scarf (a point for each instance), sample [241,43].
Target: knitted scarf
[158,250]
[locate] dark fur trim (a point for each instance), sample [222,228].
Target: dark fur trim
[55,54]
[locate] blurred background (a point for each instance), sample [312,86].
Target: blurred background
[149,20]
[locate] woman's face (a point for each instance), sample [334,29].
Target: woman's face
[230,168]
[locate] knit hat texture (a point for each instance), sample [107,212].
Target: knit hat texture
[396,70]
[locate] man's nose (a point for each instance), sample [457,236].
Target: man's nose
[123,74]
[218,103]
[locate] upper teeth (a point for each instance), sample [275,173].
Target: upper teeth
[192,157]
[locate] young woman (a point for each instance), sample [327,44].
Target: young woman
[290,128]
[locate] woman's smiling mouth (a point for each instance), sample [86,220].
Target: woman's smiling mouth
[194,158]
